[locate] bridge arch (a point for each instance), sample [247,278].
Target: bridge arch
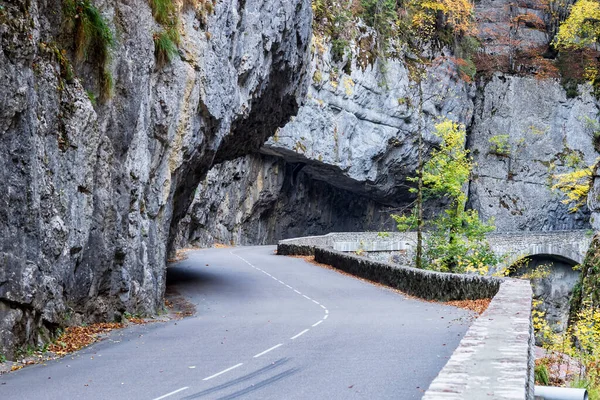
[568,245]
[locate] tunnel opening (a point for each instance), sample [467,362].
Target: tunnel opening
[553,279]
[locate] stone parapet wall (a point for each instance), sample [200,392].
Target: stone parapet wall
[429,285]
[494,359]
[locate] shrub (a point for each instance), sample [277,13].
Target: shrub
[542,377]
[164,48]
[500,145]
[163,11]
[93,38]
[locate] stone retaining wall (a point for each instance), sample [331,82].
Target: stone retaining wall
[495,357]
[429,285]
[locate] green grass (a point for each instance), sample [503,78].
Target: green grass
[165,48]
[542,377]
[93,39]
[593,392]
[163,11]
[92,97]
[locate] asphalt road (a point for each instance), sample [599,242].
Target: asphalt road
[267,327]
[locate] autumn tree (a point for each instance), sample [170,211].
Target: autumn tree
[582,26]
[456,242]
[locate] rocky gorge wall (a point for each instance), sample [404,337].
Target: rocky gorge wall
[259,198]
[357,133]
[94,186]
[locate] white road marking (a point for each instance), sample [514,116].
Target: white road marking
[172,393]
[300,334]
[268,350]
[276,346]
[222,372]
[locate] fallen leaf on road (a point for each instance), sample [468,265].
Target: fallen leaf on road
[76,337]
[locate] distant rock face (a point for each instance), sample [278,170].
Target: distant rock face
[593,200]
[272,199]
[91,193]
[525,131]
[356,134]
[554,290]
[358,131]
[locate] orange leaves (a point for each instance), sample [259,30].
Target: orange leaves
[530,20]
[76,337]
[458,14]
[479,306]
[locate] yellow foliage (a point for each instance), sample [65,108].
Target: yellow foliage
[582,27]
[458,15]
[575,186]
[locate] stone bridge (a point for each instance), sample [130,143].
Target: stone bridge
[567,246]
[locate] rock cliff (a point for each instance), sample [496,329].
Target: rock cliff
[357,133]
[94,183]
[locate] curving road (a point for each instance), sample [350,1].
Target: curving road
[267,327]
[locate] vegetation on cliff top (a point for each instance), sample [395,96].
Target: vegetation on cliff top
[369,29]
[93,39]
[390,28]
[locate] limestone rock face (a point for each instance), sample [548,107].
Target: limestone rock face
[525,131]
[358,131]
[260,199]
[593,200]
[91,192]
[355,135]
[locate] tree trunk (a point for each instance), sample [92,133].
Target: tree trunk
[419,257]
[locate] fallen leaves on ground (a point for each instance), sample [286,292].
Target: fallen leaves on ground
[137,321]
[180,255]
[179,306]
[479,306]
[76,337]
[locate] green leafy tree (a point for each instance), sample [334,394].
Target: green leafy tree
[456,242]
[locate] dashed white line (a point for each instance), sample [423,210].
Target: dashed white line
[276,346]
[268,350]
[172,393]
[222,372]
[300,334]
